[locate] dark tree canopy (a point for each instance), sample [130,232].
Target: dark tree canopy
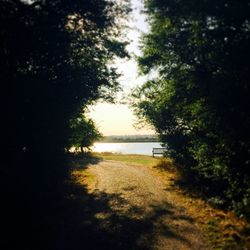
[56,57]
[198,100]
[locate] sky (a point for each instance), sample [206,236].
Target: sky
[118,119]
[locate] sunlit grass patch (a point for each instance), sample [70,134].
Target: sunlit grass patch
[83,177]
[135,159]
[225,230]
[80,171]
[165,164]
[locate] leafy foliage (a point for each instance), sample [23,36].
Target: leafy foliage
[55,59]
[83,133]
[198,99]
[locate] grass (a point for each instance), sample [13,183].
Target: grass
[144,160]
[80,174]
[83,177]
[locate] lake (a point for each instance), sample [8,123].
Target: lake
[142,148]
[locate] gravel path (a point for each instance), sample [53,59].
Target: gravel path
[139,212]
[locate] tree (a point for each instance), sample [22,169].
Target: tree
[198,100]
[83,133]
[55,59]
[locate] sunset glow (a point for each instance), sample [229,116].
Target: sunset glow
[117,119]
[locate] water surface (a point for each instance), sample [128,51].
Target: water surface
[143,148]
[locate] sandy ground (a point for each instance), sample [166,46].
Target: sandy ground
[141,213]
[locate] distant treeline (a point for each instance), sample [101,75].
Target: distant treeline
[130,138]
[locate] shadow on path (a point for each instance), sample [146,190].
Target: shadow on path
[95,221]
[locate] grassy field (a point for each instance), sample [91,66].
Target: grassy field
[144,160]
[223,228]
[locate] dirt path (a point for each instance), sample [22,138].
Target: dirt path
[141,214]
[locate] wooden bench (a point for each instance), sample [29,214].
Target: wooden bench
[158,151]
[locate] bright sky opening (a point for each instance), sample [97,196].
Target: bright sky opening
[118,119]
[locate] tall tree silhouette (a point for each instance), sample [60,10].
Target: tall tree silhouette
[55,58]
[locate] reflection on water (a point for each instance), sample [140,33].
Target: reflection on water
[144,148]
